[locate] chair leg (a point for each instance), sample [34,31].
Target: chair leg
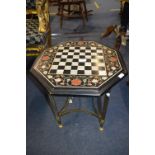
[49,38]
[108,31]
[81,12]
[69,9]
[59,8]
[85,10]
[61,15]
[118,43]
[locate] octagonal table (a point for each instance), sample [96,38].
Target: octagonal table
[79,68]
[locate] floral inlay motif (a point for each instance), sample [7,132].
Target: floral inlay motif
[73,79]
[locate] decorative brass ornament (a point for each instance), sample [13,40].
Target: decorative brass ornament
[43,15]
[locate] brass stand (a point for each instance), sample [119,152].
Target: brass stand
[99,112]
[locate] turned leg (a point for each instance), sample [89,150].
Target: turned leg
[85,10]
[108,31]
[82,13]
[61,15]
[117,43]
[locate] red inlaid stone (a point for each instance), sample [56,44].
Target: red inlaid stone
[113,59]
[76,82]
[80,42]
[45,57]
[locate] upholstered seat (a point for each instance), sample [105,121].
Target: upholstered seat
[37,26]
[33,36]
[30,4]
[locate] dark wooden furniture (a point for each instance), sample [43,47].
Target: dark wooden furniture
[116,29]
[72,9]
[122,5]
[53,2]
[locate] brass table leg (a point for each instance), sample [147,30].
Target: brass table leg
[99,111]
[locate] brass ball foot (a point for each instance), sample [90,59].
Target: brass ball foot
[101,129]
[60,126]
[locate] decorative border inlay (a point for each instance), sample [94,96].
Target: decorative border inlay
[112,62]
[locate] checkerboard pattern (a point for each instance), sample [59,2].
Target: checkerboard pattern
[30,4]
[33,37]
[78,60]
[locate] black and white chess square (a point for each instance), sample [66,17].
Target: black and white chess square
[79,60]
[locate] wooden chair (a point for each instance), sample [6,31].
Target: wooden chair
[117,31]
[53,2]
[122,5]
[73,9]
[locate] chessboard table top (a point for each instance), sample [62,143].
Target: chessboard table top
[79,68]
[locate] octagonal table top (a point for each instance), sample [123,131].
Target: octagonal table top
[79,68]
